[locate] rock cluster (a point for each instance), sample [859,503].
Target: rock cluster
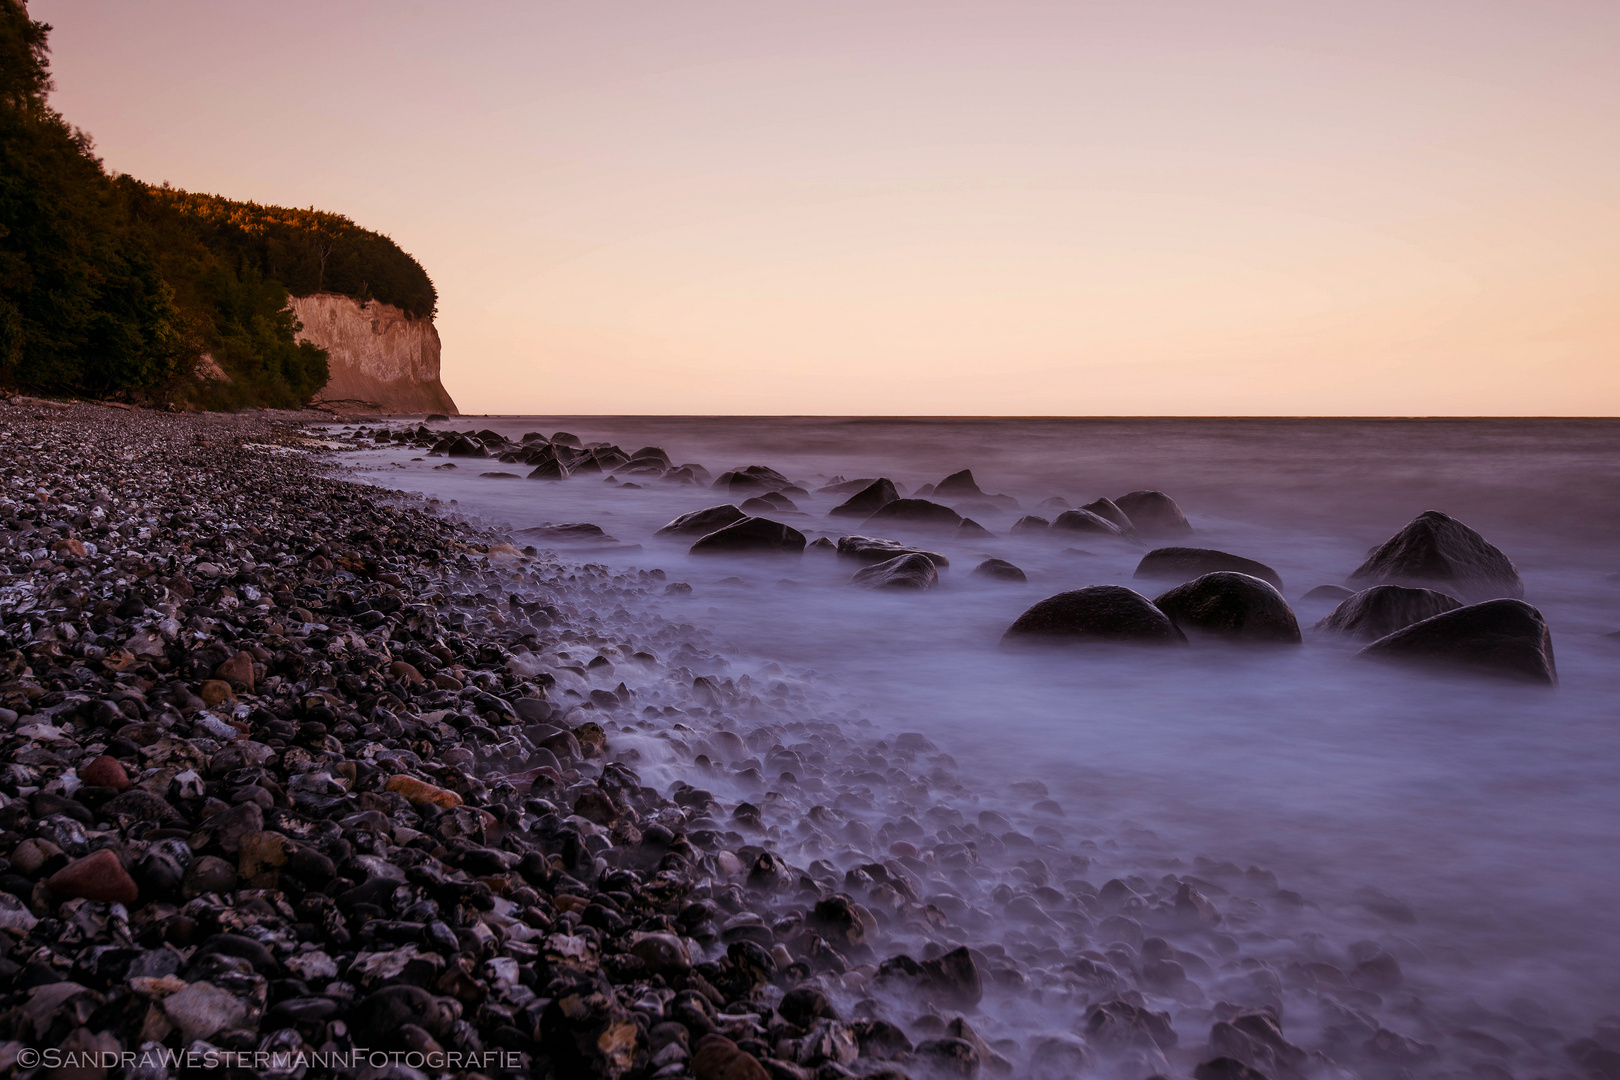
[284,771]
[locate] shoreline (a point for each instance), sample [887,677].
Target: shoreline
[583,836]
[292,794]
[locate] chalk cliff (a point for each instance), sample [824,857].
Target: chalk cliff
[380,358]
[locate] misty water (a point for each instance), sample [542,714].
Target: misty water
[1488,808]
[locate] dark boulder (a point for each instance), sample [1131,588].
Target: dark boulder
[999,570]
[1109,510]
[867,501]
[914,571]
[847,487]
[972,530]
[1383,609]
[1084,521]
[1030,523]
[957,485]
[1235,607]
[703,522]
[873,549]
[1095,613]
[753,534]
[550,470]
[1498,637]
[916,512]
[752,479]
[769,503]
[1438,550]
[573,532]
[1154,514]
[1184,564]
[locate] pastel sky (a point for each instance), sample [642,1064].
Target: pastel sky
[1161,207]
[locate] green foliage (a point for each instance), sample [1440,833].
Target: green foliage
[83,308]
[111,287]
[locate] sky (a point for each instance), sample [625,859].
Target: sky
[1161,207]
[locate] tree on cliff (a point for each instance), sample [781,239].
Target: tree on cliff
[83,307]
[109,286]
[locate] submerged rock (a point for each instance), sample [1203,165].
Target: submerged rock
[867,501]
[873,549]
[1084,521]
[702,522]
[1095,614]
[1231,606]
[957,485]
[1498,637]
[1108,510]
[916,512]
[1436,549]
[1328,594]
[1154,514]
[913,571]
[754,534]
[1031,523]
[999,570]
[1184,564]
[1383,609]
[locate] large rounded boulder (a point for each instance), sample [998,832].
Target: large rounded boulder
[867,501]
[999,570]
[875,549]
[958,485]
[1233,607]
[1084,521]
[1184,564]
[1109,510]
[1436,549]
[1498,637]
[752,535]
[703,522]
[914,571]
[916,512]
[1383,609]
[1097,613]
[1154,514]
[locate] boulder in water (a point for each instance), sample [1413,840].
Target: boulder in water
[972,530]
[1184,564]
[1232,606]
[550,470]
[769,503]
[916,512]
[1097,613]
[957,485]
[572,532]
[1108,510]
[1498,637]
[846,487]
[867,501]
[1084,521]
[913,571]
[1383,609]
[1030,523]
[754,478]
[1154,514]
[1438,550]
[702,522]
[872,549]
[999,570]
[751,534]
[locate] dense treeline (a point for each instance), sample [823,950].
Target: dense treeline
[113,288]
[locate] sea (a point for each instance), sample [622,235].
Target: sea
[1483,813]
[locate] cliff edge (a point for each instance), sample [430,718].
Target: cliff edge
[379,357]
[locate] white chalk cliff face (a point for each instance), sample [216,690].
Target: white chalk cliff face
[379,357]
